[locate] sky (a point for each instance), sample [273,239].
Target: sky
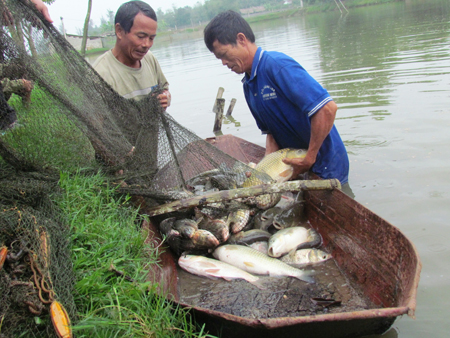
[74,12]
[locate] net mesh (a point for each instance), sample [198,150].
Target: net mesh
[73,119]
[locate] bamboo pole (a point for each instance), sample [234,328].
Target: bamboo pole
[218,96]
[244,192]
[231,107]
[219,115]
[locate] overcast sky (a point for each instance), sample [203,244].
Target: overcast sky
[74,12]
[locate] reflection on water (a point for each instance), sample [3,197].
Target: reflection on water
[388,68]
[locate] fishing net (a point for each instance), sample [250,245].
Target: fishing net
[73,119]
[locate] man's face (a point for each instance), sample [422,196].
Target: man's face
[235,57]
[135,44]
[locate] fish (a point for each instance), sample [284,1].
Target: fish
[249,237]
[305,257]
[283,241]
[238,219]
[290,217]
[204,239]
[260,246]
[186,227]
[218,227]
[257,263]
[273,165]
[212,268]
[264,220]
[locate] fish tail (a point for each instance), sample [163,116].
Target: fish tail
[258,283]
[306,276]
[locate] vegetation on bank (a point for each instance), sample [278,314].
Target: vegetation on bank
[110,260]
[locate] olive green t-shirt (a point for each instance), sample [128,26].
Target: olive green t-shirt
[131,83]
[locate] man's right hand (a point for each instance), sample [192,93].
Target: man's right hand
[165,99]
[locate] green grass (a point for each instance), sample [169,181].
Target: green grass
[106,232]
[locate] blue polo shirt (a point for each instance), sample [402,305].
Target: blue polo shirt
[282,97]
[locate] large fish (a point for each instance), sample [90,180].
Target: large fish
[285,240]
[212,268]
[272,166]
[255,262]
[305,257]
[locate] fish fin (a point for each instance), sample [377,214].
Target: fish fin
[291,254]
[208,265]
[286,173]
[249,264]
[259,284]
[212,270]
[306,276]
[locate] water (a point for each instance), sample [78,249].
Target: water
[388,69]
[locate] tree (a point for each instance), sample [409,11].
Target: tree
[86,28]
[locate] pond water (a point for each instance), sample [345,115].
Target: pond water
[388,68]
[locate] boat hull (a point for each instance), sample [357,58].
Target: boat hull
[376,258]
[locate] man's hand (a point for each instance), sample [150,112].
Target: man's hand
[165,99]
[41,7]
[300,165]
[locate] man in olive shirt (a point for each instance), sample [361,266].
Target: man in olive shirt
[130,68]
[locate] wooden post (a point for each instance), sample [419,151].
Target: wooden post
[219,96]
[231,107]
[219,115]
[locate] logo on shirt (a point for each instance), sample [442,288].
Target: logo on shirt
[268,93]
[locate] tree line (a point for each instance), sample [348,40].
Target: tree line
[179,17]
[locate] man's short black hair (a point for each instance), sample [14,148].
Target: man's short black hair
[225,27]
[127,12]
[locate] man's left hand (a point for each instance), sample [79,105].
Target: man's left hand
[300,165]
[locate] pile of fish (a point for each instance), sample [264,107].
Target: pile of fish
[263,235]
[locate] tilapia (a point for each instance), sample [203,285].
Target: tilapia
[285,240]
[218,227]
[186,227]
[212,268]
[203,239]
[305,257]
[238,219]
[255,262]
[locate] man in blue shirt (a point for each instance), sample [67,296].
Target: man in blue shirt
[289,106]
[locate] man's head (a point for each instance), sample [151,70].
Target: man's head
[231,40]
[136,26]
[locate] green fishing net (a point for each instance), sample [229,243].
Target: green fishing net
[73,119]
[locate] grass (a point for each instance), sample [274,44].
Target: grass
[106,232]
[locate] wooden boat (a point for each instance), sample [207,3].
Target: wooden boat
[373,255]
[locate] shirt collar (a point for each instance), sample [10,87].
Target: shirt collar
[256,59]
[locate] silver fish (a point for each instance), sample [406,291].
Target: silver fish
[255,262]
[212,268]
[285,240]
[305,257]
[260,246]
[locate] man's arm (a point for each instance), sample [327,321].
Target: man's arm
[271,144]
[321,124]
